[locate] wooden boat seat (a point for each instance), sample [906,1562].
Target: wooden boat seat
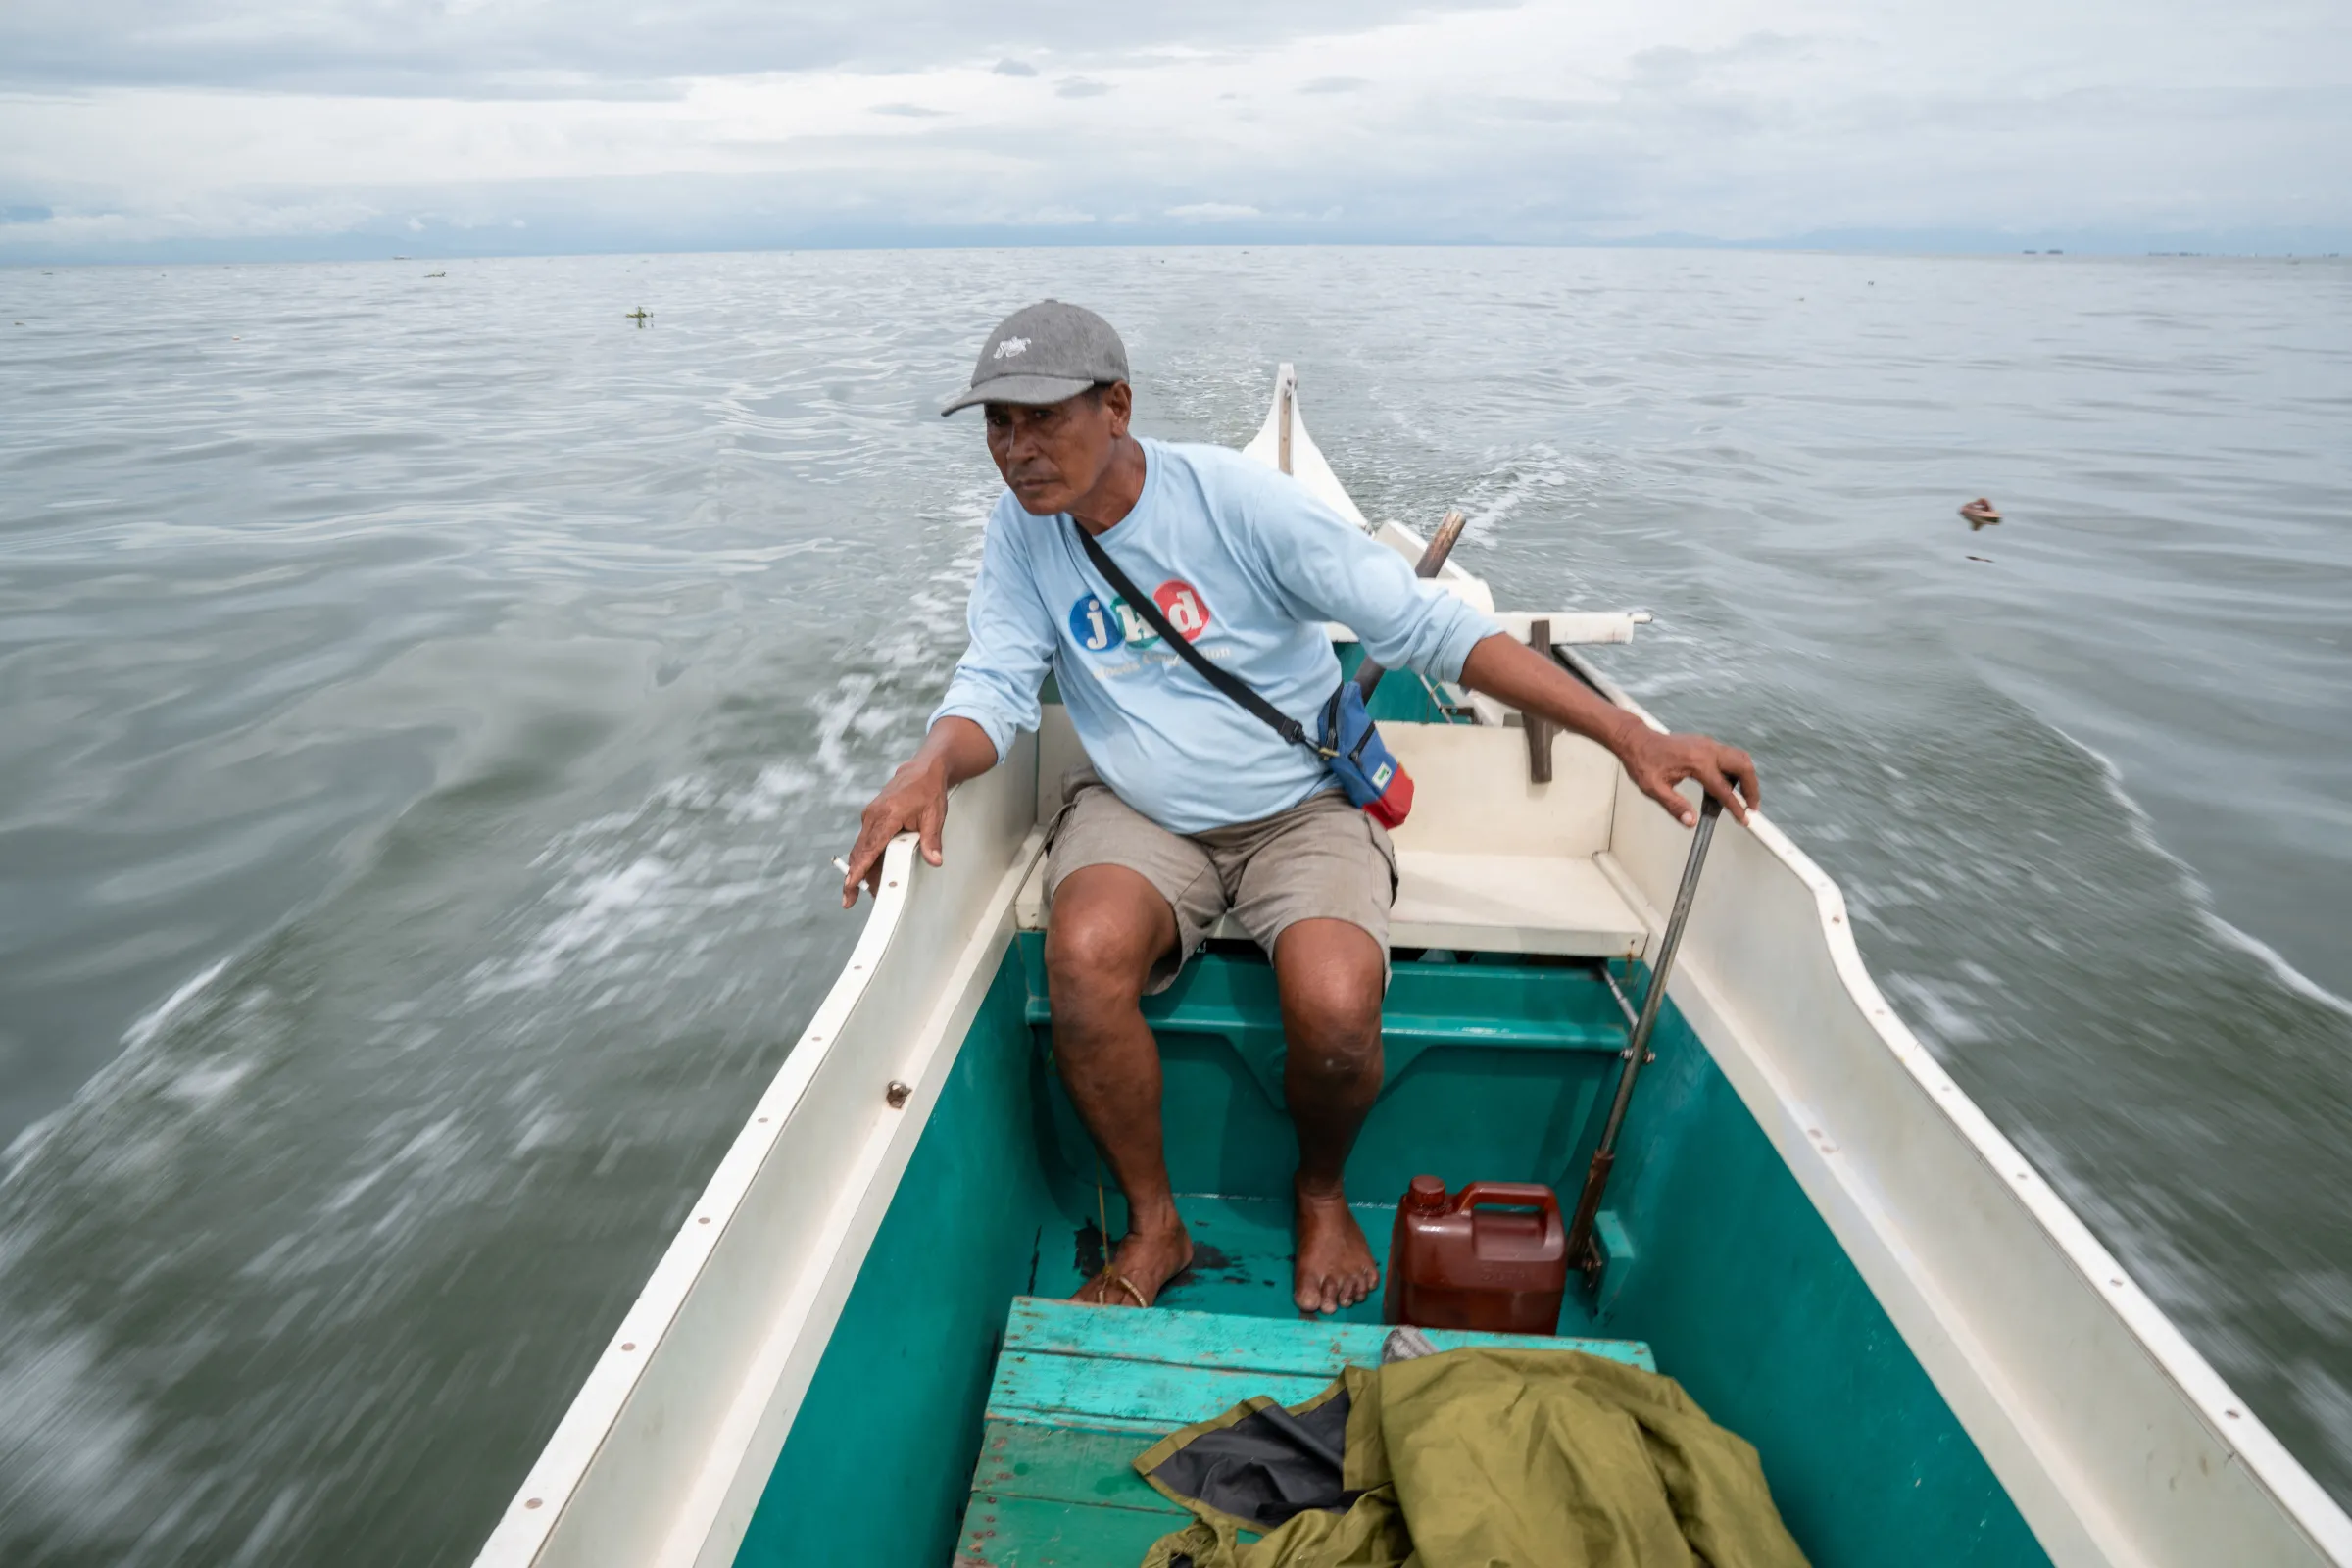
[1553,904]
[1080,1390]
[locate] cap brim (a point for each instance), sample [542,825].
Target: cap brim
[1033,390]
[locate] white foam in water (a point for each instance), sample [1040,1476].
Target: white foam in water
[1936,1008]
[152,1022]
[2285,973]
[202,1087]
[1494,498]
[73,1453]
[2142,829]
[764,801]
[608,909]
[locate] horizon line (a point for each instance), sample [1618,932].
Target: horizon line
[342,249]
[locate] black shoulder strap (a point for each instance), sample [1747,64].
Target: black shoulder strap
[1274,719]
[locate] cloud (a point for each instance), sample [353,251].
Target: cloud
[1668,66]
[320,126]
[594,48]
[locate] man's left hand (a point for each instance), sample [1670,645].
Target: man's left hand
[1658,762]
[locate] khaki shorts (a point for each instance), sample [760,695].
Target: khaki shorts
[1322,858]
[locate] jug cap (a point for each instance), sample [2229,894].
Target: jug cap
[1426,1192]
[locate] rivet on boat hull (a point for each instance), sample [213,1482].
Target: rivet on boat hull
[897,1095]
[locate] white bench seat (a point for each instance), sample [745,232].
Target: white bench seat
[1513,904]
[1562,904]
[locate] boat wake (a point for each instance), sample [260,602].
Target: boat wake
[2200,894]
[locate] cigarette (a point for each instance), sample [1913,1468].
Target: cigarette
[841,866]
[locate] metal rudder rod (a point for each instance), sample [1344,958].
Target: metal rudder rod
[1636,1052]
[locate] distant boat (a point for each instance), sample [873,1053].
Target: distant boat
[852,1352]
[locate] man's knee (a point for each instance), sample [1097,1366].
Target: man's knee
[1093,958]
[1334,967]
[1101,941]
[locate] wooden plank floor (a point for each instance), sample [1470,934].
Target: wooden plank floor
[1080,1390]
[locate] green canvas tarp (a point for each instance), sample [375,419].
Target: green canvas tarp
[1471,1458]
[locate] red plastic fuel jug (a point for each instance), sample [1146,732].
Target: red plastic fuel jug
[1459,1260]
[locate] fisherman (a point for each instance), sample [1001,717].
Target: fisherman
[1189,806]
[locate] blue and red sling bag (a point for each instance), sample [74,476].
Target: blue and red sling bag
[1348,739]
[1365,767]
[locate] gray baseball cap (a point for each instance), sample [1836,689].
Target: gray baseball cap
[1043,353]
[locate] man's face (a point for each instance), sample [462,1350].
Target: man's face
[1051,456]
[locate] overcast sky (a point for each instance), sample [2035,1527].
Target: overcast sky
[317,127]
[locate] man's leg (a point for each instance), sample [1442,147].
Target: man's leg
[1107,928]
[1331,975]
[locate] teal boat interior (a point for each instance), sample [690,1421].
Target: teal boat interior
[962,1413]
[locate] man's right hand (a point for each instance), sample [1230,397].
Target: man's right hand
[915,800]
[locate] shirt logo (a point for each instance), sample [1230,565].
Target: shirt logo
[1184,607]
[1096,626]
[1011,348]
[1099,628]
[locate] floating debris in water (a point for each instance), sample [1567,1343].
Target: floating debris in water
[1988,560]
[436,274]
[1979,513]
[640,315]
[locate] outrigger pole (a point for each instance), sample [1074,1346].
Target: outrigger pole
[1581,1251]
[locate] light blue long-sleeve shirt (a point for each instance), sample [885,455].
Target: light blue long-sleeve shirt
[1248,564]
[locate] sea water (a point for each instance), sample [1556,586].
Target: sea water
[429,705]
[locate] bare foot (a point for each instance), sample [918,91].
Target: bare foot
[1335,1266]
[1147,1260]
